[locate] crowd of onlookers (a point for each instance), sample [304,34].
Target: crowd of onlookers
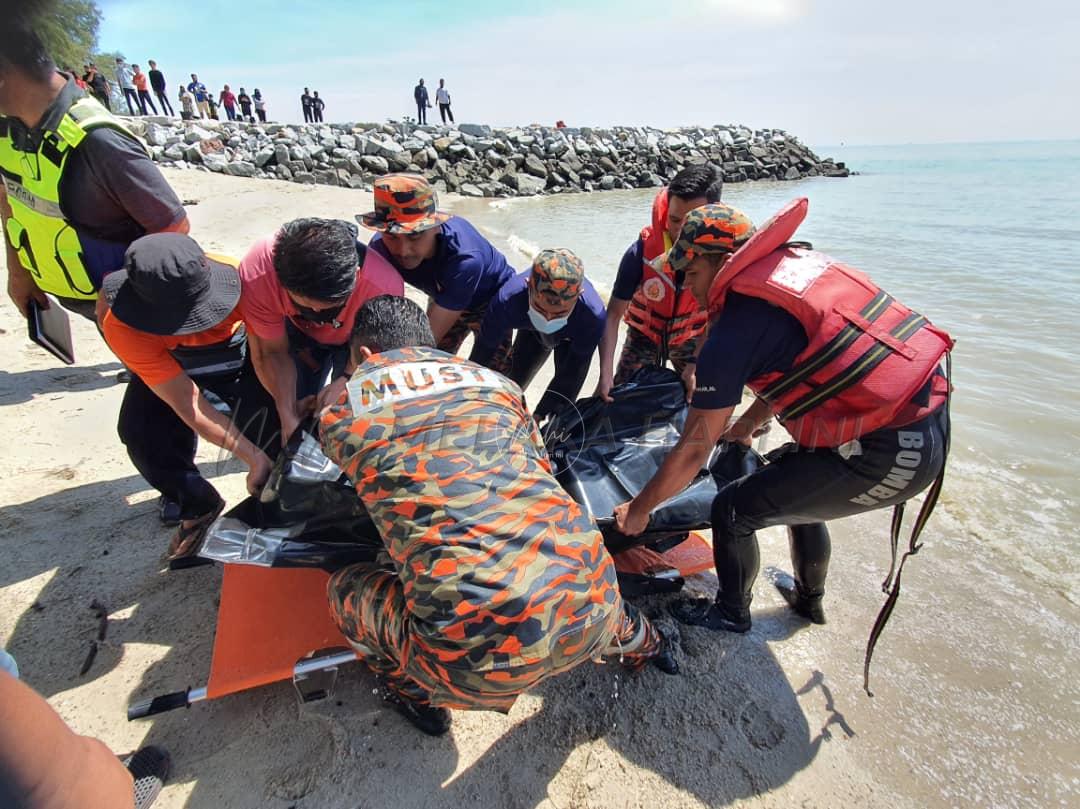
[196,101]
[134,87]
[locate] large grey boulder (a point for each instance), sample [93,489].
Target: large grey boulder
[375,163]
[475,130]
[157,135]
[240,168]
[535,166]
[216,162]
[529,185]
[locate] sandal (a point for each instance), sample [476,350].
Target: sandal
[189,536]
[149,767]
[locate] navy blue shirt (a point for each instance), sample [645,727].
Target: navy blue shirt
[465,272]
[509,309]
[748,339]
[628,279]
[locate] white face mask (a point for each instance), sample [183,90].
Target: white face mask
[545,326]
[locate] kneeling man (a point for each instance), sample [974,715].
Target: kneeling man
[497,579]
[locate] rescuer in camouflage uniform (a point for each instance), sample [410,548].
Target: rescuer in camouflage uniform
[498,579]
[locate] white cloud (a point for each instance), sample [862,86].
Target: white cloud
[771,11]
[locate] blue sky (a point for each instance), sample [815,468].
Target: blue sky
[829,71]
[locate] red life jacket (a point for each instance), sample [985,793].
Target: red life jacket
[656,309]
[868,354]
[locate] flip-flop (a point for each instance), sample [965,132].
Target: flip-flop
[149,767]
[188,539]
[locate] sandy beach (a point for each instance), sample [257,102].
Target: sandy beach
[976,698]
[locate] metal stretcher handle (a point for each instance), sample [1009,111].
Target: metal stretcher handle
[166,702]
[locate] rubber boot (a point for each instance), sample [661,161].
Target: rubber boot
[665,657]
[736,555]
[811,548]
[423,716]
[808,605]
[717,615]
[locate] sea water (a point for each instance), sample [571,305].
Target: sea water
[983,239]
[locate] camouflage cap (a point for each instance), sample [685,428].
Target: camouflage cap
[557,273]
[404,203]
[713,229]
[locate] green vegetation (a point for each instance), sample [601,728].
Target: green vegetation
[69,29]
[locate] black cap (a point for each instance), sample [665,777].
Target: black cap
[169,286]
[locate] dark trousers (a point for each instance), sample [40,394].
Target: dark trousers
[162,446]
[262,115]
[144,100]
[231,113]
[802,488]
[527,357]
[307,115]
[316,363]
[163,100]
[444,111]
[421,113]
[103,98]
[317,113]
[132,99]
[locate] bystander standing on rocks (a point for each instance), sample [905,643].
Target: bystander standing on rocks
[317,107]
[305,105]
[260,106]
[420,95]
[202,97]
[98,85]
[244,100]
[157,82]
[124,77]
[139,79]
[442,98]
[227,99]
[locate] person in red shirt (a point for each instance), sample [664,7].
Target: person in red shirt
[302,288]
[227,99]
[174,321]
[141,86]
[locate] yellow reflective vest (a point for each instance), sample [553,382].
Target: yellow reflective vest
[47,244]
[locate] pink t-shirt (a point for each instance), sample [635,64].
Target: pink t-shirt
[265,304]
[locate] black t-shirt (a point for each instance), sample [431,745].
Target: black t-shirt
[99,83]
[157,81]
[628,279]
[749,338]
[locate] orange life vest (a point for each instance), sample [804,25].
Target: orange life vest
[661,305]
[868,354]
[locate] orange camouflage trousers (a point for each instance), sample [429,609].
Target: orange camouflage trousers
[368,604]
[639,351]
[470,321]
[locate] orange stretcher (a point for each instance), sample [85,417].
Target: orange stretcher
[274,624]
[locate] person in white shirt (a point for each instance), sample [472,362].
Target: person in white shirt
[442,98]
[124,77]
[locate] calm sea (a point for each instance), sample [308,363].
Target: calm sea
[984,239]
